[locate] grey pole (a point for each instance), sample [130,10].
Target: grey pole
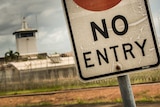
[126,91]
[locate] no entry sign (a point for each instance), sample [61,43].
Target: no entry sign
[111,37]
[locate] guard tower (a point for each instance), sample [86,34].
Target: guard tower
[26,39]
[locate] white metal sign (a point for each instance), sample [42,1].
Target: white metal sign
[111,37]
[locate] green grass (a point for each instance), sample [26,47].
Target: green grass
[20,92]
[42,104]
[147,99]
[57,88]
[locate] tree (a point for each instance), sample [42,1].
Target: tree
[11,56]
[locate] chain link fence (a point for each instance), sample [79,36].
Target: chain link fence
[12,79]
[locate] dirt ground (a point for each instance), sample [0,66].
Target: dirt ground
[143,93]
[111,105]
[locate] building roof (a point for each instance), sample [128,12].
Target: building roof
[44,64]
[24,31]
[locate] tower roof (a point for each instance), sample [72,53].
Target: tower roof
[24,27]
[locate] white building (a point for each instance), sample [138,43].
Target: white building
[26,39]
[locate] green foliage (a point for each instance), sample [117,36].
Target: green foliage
[11,56]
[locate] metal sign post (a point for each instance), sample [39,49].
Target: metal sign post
[126,91]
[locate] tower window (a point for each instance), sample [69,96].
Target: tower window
[28,34]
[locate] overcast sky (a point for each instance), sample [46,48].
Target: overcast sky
[48,17]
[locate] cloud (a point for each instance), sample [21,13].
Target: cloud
[55,41]
[6,43]
[45,15]
[156,15]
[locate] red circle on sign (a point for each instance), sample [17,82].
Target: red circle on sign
[97,5]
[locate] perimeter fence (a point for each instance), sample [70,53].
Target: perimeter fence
[62,78]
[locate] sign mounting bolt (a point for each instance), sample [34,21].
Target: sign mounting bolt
[118,67]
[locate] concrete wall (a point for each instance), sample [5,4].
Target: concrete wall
[12,79]
[26,45]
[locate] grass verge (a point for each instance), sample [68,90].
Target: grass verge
[42,104]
